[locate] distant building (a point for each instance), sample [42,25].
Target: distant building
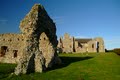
[68,44]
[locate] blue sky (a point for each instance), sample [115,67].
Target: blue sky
[79,18]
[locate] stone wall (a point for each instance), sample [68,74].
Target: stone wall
[34,50]
[92,46]
[10,47]
[66,43]
[40,42]
[80,45]
[100,44]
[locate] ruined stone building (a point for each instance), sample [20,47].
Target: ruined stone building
[34,49]
[10,47]
[68,44]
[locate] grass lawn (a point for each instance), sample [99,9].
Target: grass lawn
[92,66]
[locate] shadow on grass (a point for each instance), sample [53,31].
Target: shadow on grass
[6,69]
[67,61]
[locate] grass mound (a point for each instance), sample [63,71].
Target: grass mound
[88,66]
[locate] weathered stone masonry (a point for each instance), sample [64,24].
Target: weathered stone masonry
[10,47]
[34,49]
[70,44]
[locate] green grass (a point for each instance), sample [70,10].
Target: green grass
[92,66]
[6,70]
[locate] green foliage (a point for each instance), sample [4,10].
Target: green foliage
[108,50]
[87,66]
[117,50]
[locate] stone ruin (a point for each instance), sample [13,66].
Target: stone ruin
[34,49]
[68,44]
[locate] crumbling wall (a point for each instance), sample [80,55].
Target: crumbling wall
[99,44]
[10,47]
[77,47]
[91,46]
[60,45]
[40,42]
[34,50]
[67,43]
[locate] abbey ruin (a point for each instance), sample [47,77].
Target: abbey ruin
[34,49]
[68,44]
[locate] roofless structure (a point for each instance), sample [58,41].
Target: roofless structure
[70,44]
